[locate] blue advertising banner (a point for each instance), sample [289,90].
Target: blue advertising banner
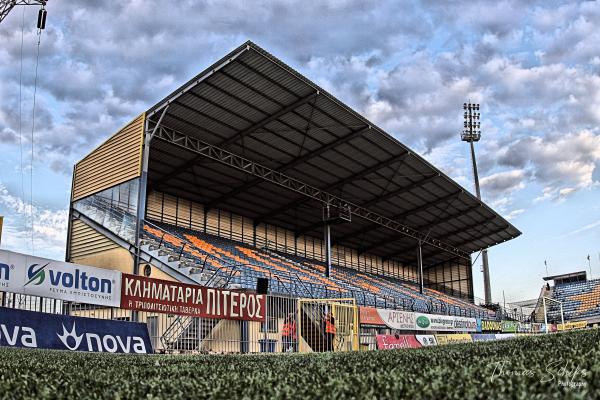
[479,337]
[29,329]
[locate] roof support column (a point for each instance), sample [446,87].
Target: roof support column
[420,266]
[142,187]
[327,236]
[486,277]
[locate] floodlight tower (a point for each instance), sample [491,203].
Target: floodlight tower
[472,133]
[7,5]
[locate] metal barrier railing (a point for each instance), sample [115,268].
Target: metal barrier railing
[186,334]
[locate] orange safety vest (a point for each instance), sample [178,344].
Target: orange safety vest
[329,326]
[289,329]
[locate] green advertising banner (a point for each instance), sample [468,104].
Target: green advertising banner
[509,326]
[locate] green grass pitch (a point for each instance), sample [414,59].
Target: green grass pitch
[561,366]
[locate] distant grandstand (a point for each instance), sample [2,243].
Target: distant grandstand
[250,170]
[579,297]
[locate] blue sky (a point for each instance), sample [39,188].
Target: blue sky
[407,66]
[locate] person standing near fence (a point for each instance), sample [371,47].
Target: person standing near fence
[288,333]
[329,323]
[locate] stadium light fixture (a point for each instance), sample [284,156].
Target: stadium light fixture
[471,134]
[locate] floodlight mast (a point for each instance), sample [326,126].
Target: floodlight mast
[7,5]
[470,134]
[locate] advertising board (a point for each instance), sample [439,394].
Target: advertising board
[24,274]
[157,295]
[36,330]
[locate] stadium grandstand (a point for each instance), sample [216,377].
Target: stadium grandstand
[578,295]
[250,170]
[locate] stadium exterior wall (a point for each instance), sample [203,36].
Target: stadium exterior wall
[109,256]
[115,161]
[85,242]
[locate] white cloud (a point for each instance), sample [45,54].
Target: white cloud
[514,214]
[503,183]
[564,163]
[49,226]
[584,228]
[535,69]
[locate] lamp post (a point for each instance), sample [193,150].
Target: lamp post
[471,134]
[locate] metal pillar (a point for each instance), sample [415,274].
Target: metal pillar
[545,314]
[327,234]
[484,255]
[70,220]
[420,266]
[562,316]
[141,206]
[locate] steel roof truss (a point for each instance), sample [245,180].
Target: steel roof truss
[240,163]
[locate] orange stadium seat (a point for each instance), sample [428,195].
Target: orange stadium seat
[288,274]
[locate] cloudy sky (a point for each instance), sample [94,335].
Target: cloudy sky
[407,66]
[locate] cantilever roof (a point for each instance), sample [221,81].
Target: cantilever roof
[254,105]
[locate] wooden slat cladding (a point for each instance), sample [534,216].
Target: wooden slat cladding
[113,162]
[86,241]
[451,276]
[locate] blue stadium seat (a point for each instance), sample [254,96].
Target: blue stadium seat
[239,264]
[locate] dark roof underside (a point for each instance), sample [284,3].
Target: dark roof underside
[256,106]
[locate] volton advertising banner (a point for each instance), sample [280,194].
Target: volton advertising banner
[24,274]
[35,330]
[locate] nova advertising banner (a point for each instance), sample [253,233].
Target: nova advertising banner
[35,330]
[445,323]
[389,342]
[24,274]
[453,338]
[157,295]
[426,340]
